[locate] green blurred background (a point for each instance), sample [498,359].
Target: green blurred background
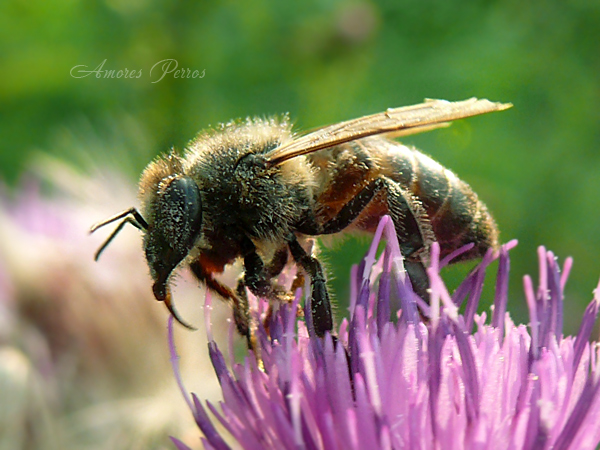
[536,166]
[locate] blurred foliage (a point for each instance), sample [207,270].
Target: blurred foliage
[536,166]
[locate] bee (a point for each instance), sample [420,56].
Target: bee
[253,190]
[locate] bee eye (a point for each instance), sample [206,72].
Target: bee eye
[181,208]
[177,215]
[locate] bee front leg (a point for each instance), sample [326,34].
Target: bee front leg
[239,301]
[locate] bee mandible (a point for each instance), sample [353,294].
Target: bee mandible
[253,190]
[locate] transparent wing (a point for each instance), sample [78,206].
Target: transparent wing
[393,122]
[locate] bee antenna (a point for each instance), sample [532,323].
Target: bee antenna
[137,221]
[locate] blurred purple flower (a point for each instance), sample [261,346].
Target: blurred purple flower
[410,383]
[82,344]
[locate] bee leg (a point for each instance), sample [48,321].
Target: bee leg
[243,319]
[298,281]
[410,221]
[418,278]
[256,277]
[276,266]
[278,262]
[322,317]
[415,235]
[239,300]
[346,215]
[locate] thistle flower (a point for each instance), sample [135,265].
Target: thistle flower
[399,381]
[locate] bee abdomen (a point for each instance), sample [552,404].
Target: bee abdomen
[456,214]
[464,219]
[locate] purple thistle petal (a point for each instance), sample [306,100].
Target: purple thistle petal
[543,301]
[586,327]
[471,280]
[175,363]
[566,271]
[542,293]
[307,310]
[363,296]
[434,348]
[577,417]
[501,298]
[470,373]
[370,259]
[434,298]
[353,347]
[467,285]
[405,292]
[218,362]
[355,284]
[455,254]
[523,379]
[229,421]
[330,435]
[473,301]
[180,445]
[282,428]
[556,296]
[205,424]
[231,330]
[275,327]
[207,315]
[365,415]
[206,444]
[533,314]
[340,381]
[383,306]
[367,356]
[439,291]
[536,436]
[311,437]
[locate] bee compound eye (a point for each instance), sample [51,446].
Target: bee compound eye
[181,210]
[177,221]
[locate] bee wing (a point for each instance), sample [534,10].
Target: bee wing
[393,122]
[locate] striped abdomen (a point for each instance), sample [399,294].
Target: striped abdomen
[445,207]
[455,213]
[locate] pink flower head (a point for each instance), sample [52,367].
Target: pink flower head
[418,379]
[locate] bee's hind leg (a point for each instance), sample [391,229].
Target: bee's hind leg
[415,235]
[418,278]
[411,223]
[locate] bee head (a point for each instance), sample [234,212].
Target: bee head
[175,222]
[174,212]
